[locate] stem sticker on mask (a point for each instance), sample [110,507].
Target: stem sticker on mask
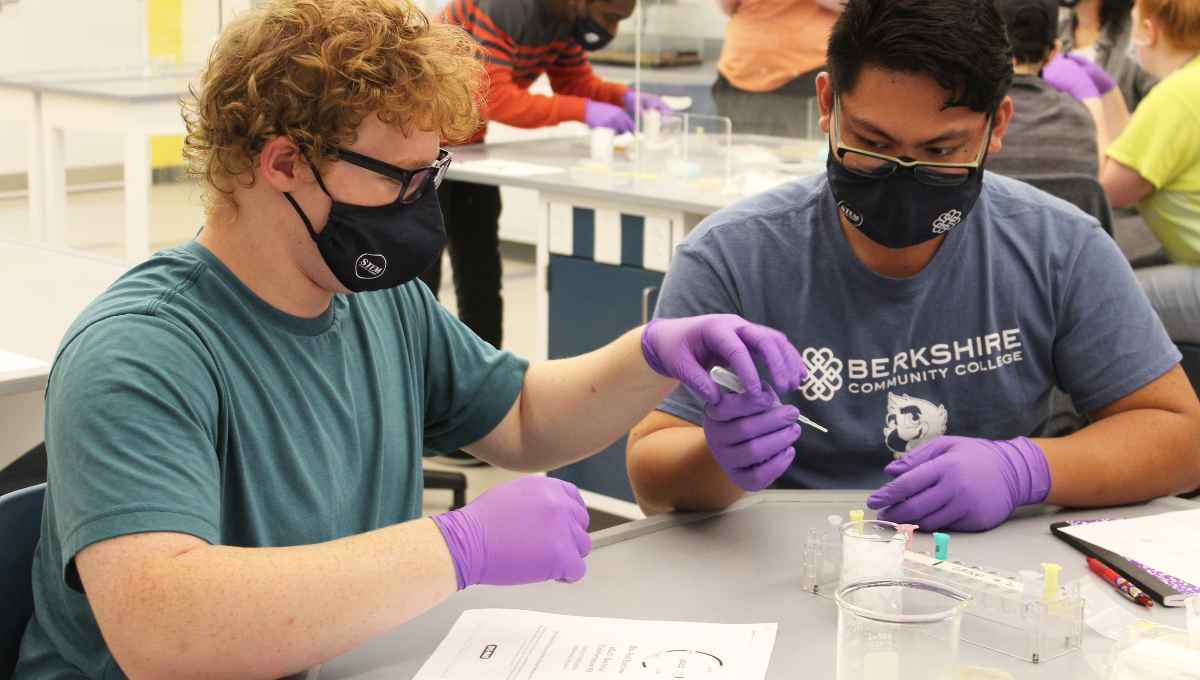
[851,216]
[370,266]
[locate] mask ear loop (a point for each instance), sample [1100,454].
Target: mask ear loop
[300,211]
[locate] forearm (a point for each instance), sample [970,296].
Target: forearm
[672,469]
[1096,108]
[1124,458]
[1116,115]
[220,611]
[584,83]
[572,408]
[510,104]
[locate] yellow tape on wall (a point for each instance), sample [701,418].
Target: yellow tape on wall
[165,22]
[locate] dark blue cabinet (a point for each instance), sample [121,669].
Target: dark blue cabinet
[591,304]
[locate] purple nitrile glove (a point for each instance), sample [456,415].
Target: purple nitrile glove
[1068,76]
[1104,83]
[528,530]
[598,114]
[963,484]
[684,349]
[751,437]
[645,102]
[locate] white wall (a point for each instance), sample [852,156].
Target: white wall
[699,19]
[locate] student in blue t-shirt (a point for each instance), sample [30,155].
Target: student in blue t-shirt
[235,428]
[936,306]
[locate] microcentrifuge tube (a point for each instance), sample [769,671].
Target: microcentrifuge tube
[941,544]
[1050,572]
[812,558]
[857,516]
[1031,585]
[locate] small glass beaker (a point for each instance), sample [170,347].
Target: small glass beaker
[871,549]
[898,629]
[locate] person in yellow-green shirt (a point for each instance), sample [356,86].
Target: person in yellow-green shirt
[1155,163]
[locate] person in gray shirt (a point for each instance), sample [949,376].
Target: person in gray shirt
[1100,30]
[1050,131]
[936,306]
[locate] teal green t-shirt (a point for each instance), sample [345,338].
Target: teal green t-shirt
[179,401]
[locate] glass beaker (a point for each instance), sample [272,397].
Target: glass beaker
[871,549]
[898,629]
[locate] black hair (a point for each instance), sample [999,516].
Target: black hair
[961,44]
[1115,15]
[1032,29]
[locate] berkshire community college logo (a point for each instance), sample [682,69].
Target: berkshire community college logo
[370,266]
[824,374]
[947,221]
[911,422]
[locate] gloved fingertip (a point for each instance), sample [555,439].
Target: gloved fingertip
[878,500]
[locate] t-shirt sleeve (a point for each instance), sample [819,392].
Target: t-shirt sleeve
[469,385]
[698,282]
[1109,342]
[1162,140]
[131,425]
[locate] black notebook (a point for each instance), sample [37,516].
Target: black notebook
[1164,593]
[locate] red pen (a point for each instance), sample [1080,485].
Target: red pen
[1114,579]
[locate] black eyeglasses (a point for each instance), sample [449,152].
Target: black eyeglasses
[413,183]
[877,165]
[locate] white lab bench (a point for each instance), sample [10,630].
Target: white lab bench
[133,103]
[42,290]
[138,103]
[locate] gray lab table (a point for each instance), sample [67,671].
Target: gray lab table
[743,566]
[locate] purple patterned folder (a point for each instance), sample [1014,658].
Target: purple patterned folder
[1166,589]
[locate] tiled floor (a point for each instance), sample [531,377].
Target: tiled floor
[95,223]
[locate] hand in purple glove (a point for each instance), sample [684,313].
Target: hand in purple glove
[1068,76]
[598,114]
[963,484]
[751,437]
[644,102]
[1104,83]
[684,349]
[528,530]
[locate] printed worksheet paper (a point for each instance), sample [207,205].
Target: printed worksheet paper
[513,644]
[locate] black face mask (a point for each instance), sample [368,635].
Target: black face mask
[591,34]
[895,205]
[378,247]
[898,210]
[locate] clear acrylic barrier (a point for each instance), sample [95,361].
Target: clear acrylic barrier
[775,138]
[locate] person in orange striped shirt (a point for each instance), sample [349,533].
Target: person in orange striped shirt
[519,41]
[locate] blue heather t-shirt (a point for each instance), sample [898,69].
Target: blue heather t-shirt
[179,401]
[1025,294]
